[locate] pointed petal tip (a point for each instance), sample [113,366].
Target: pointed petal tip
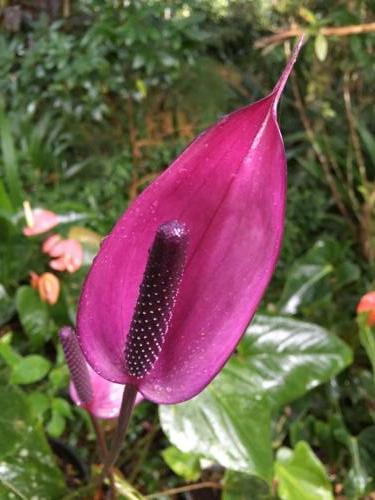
[279,87]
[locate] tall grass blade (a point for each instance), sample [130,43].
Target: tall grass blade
[9,160]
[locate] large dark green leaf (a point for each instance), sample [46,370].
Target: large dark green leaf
[284,358]
[300,475]
[225,423]
[27,468]
[278,360]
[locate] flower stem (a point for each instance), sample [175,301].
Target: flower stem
[128,400]
[102,445]
[188,487]
[103,449]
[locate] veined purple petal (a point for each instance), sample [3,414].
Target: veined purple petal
[228,188]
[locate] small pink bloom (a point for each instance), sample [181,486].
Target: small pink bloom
[67,254]
[107,397]
[367,305]
[39,221]
[50,242]
[87,389]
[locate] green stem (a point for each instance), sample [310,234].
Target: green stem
[367,339]
[103,449]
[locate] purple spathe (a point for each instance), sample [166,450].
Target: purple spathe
[228,188]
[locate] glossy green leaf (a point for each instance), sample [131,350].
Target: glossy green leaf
[240,486]
[185,465]
[27,467]
[30,369]
[302,285]
[300,475]
[34,315]
[278,360]
[286,357]
[224,425]
[313,279]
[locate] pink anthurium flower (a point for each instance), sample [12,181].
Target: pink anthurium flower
[180,276]
[38,220]
[68,254]
[87,389]
[367,305]
[50,242]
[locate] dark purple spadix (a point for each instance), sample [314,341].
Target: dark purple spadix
[156,299]
[76,364]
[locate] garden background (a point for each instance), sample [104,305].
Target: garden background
[96,99]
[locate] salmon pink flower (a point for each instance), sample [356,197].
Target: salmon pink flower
[180,276]
[87,389]
[50,242]
[38,220]
[48,286]
[68,254]
[367,305]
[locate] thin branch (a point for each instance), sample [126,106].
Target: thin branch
[285,34]
[353,133]
[183,489]
[138,183]
[103,449]
[143,453]
[319,154]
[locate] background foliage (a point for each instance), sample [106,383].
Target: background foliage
[96,98]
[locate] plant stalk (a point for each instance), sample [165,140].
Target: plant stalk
[127,405]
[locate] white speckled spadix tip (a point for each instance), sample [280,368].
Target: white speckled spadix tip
[157,296]
[76,364]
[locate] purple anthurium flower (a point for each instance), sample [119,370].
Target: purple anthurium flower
[100,397]
[206,236]
[107,396]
